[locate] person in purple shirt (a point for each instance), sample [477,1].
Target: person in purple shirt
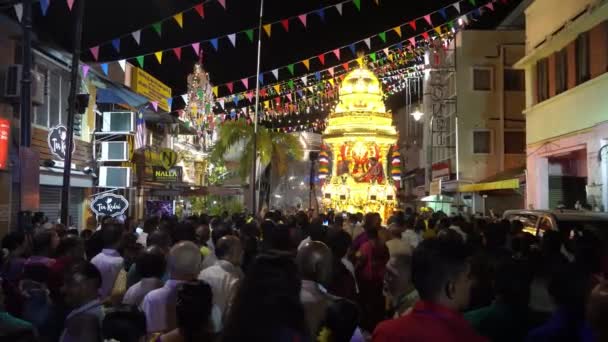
[109,262]
[44,244]
[15,244]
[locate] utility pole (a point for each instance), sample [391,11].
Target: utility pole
[26,76]
[253,182]
[67,167]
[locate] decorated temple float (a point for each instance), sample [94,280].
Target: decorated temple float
[359,164]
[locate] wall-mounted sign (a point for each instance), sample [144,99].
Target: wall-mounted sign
[5,130]
[435,187]
[58,141]
[441,170]
[151,88]
[172,175]
[165,158]
[109,205]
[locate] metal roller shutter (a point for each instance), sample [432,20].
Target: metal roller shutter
[50,203]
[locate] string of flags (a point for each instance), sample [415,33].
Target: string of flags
[214,43]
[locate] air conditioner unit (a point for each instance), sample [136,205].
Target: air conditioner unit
[114,151]
[114,177]
[118,122]
[12,84]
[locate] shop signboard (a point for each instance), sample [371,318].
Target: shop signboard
[435,187]
[58,143]
[162,175]
[151,88]
[441,171]
[5,130]
[112,205]
[165,158]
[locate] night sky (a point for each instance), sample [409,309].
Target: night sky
[107,19]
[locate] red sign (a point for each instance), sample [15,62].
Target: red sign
[441,170]
[5,130]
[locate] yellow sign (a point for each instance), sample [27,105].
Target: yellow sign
[151,88]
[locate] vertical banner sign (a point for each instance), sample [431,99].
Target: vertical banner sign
[5,130]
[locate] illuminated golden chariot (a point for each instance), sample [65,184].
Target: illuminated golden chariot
[358,150]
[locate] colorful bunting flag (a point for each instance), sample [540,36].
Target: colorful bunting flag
[339,8]
[178,53]
[331,71]
[302,18]
[199,9]
[179,18]
[413,24]
[473,2]
[304,80]
[214,43]
[425,35]
[357,4]
[337,53]
[360,61]
[85,70]
[170,102]
[372,56]
[232,38]
[277,88]
[306,63]
[290,83]
[104,68]
[457,7]
[214,90]
[285,24]
[44,6]
[123,64]
[158,28]
[438,30]
[155,105]
[427,18]
[230,87]
[137,36]
[345,66]
[223,3]
[443,13]
[261,76]
[235,99]
[159,56]
[245,82]
[352,49]
[398,30]
[331,81]
[490,6]
[95,52]
[412,41]
[18,11]
[322,58]
[70,4]
[385,50]
[185,98]
[249,96]
[116,44]
[382,36]
[275,73]
[318,75]
[140,61]
[289,97]
[268,28]
[368,42]
[197,48]
[290,67]
[321,14]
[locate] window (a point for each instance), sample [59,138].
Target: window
[482,78]
[514,80]
[542,79]
[515,142]
[561,71]
[582,58]
[482,142]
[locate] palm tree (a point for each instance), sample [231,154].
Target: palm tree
[273,147]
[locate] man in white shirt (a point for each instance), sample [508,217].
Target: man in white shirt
[224,277]
[151,266]
[109,262]
[159,305]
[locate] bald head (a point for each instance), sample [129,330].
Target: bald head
[314,261]
[184,261]
[229,248]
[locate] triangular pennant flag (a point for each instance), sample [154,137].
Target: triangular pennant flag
[438,30]
[490,6]
[428,19]
[230,87]
[123,64]
[137,36]
[443,13]
[70,4]
[232,38]
[285,24]
[304,80]
[116,44]
[104,68]
[199,9]
[413,41]
[277,88]
[275,73]
[357,4]
[214,43]
[185,98]
[478,12]
[352,49]
[345,66]
[214,90]
[385,50]
[249,95]
[290,68]
[170,102]
[382,36]
[178,53]
[425,35]
[197,48]
[290,83]
[44,6]
[158,27]
[331,81]
[451,24]
[331,71]
[339,8]
[368,42]
[179,18]
[372,56]
[155,105]
[18,11]
[95,52]
[223,3]
[413,24]
[263,92]
[85,70]
[360,61]
[249,34]
[289,97]
[457,7]
[235,99]
[268,28]
[245,82]
[300,93]
[306,63]
[140,61]
[473,2]
[321,58]
[261,76]
[302,18]
[398,30]
[159,56]
[337,53]
[318,75]
[321,14]
[221,101]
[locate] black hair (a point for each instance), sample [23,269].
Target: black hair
[13,240]
[151,264]
[86,234]
[569,286]
[111,234]
[150,225]
[159,238]
[41,243]
[219,231]
[193,309]
[339,241]
[512,283]
[223,248]
[434,261]
[88,271]
[68,244]
[184,231]
[124,323]
[342,318]
[317,231]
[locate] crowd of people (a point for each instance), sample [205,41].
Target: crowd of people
[302,277]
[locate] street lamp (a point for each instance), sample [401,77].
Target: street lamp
[417,114]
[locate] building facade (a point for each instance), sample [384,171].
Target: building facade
[566,66]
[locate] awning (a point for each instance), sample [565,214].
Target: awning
[506,180]
[108,92]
